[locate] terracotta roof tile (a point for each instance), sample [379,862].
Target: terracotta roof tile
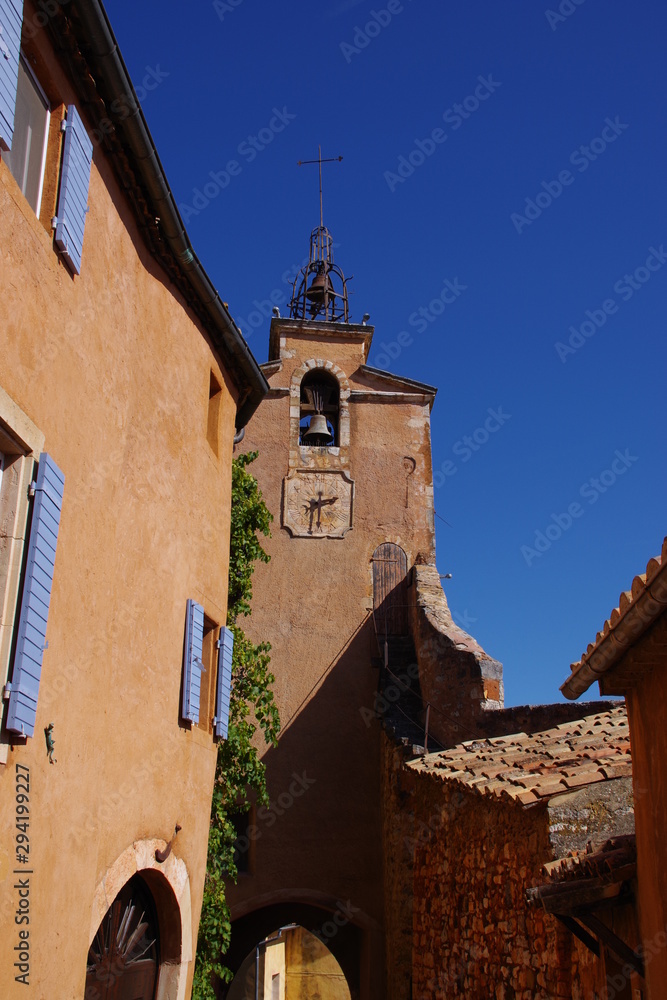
[536,767]
[650,584]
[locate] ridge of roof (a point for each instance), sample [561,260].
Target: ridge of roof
[636,611]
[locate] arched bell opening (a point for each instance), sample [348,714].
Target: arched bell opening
[124,958]
[319,410]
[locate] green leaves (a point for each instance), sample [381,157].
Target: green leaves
[240,773]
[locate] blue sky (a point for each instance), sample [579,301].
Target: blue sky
[540,199]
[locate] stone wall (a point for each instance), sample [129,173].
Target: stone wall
[475,935]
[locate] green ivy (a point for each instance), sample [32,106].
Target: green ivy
[239,770]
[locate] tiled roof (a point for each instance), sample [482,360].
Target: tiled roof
[604,861]
[637,609]
[532,768]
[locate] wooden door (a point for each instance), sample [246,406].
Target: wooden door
[123,958]
[390,592]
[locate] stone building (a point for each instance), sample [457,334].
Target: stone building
[122,382]
[628,657]
[496,912]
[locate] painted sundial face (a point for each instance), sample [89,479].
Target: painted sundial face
[318,504]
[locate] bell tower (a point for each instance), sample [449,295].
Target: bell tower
[345,467]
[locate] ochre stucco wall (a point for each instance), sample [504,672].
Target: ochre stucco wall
[115,371]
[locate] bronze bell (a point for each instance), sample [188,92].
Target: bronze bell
[320,282]
[318,428]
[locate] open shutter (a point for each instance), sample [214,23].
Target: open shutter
[11,18]
[192,661]
[226,648]
[31,635]
[74,183]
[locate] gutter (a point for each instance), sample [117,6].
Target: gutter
[645,607]
[115,79]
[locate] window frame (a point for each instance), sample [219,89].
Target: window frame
[19,437]
[24,62]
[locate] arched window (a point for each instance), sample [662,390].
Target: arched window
[320,403]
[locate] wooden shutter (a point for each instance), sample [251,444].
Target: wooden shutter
[390,596]
[226,650]
[31,635]
[192,661]
[74,183]
[11,18]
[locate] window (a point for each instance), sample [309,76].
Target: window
[214,408]
[24,126]
[318,423]
[27,156]
[20,444]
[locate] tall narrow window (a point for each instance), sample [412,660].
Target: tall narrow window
[31,123]
[320,397]
[214,405]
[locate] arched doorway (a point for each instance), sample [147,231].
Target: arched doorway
[124,957]
[292,963]
[390,593]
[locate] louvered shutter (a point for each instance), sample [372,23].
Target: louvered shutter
[74,183]
[31,636]
[192,661]
[225,651]
[11,18]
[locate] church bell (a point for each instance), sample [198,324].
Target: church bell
[319,284]
[318,429]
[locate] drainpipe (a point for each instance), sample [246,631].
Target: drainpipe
[264,943]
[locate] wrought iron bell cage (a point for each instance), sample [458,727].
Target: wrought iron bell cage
[320,288]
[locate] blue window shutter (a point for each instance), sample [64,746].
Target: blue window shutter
[192,661]
[226,650]
[31,636]
[74,183]
[11,17]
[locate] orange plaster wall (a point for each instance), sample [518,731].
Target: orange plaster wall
[114,370]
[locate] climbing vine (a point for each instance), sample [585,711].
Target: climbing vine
[239,770]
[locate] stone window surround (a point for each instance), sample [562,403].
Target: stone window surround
[21,443]
[302,456]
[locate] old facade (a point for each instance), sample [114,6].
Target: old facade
[122,382]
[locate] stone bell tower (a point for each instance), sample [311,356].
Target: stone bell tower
[345,467]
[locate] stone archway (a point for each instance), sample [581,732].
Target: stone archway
[168,886]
